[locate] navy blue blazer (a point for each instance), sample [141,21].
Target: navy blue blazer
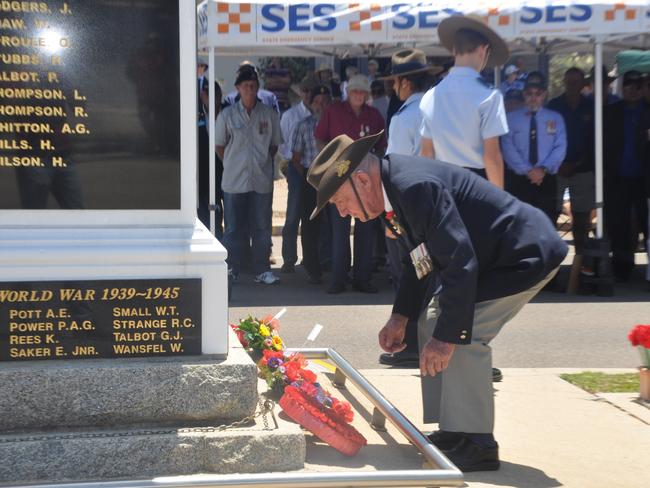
[484,243]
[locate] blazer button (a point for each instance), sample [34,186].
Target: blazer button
[464,332]
[463,336]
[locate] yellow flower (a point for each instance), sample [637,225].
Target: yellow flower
[264,331]
[277,343]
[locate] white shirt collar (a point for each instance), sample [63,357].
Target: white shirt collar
[387,206]
[464,71]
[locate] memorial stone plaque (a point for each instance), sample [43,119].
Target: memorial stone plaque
[100,319]
[89,105]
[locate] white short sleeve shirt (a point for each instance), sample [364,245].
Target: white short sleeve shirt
[404,132]
[459,114]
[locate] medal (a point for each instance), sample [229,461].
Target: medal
[421,261]
[551,127]
[361,132]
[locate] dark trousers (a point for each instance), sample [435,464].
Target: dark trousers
[248,211]
[363,247]
[396,255]
[293,216]
[310,229]
[624,200]
[203,210]
[541,196]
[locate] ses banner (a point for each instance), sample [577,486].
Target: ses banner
[235,23]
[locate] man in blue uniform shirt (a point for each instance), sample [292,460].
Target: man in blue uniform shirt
[490,252]
[463,116]
[534,148]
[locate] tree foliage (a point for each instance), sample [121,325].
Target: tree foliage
[560,63]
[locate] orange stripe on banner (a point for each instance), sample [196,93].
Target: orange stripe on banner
[222,8]
[222,28]
[630,14]
[245,8]
[504,20]
[355,25]
[375,25]
[364,15]
[493,11]
[233,18]
[619,6]
[244,28]
[375,7]
[609,15]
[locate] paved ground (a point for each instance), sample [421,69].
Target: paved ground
[555,330]
[550,433]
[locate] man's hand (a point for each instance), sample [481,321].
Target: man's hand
[435,356]
[536,175]
[391,336]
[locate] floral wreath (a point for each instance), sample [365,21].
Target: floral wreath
[303,398]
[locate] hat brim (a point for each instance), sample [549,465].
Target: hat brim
[499,52]
[354,153]
[434,70]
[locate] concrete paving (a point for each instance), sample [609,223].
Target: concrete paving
[550,432]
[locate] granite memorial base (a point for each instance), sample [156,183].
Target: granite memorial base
[138,418]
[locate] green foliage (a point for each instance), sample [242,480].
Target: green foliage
[298,67]
[604,383]
[560,63]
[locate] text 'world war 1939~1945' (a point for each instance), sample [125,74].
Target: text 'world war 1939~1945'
[100,319]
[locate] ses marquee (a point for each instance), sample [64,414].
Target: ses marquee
[224,24]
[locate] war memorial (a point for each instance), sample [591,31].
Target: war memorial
[115,359]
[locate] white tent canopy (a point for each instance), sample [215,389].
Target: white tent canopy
[314,28]
[308,28]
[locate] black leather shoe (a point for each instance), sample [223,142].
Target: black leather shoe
[469,456]
[402,358]
[336,288]
[444,440]
[364,287]
[496,375]
[287,268]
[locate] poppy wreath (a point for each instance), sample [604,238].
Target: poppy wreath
[302,397]
[305,403]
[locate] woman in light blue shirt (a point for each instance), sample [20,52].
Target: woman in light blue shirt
[411,78]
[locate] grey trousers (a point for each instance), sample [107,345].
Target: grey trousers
[461,398]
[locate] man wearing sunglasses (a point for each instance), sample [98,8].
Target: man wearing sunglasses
[534,148]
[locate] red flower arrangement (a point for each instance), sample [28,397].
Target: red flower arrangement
[324,416]
[303,399]
[640,337]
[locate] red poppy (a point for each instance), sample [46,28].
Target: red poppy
[640,336]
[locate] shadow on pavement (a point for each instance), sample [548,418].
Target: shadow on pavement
[293,290]
[511,474]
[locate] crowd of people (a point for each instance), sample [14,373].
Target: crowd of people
[456,185]
[539,150]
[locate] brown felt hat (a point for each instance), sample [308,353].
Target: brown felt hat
[409,62]
[499,52]
[335,164]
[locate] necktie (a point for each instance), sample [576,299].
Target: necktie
[532,140]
